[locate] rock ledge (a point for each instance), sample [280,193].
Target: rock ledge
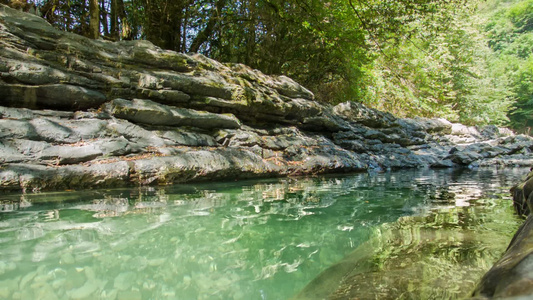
[78,113]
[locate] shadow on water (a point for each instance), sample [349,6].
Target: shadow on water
[416,234]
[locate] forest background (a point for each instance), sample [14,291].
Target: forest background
[468,61]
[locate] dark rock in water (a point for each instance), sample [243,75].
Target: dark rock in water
[73,109]
[512,276]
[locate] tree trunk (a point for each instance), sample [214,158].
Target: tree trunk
[204,35]
[83,26]
[114,20]
[184,25]
[104,14]
[250,35]
[126,32]
[94,19]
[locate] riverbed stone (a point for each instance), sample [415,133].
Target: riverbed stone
[511,276]
[66,259]
[86,290]
[109,294]
[129,295]
[125,280]
[27,279]
[4,292]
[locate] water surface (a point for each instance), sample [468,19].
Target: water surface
[258,239]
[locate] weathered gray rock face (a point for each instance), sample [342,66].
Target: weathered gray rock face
[512,276]
[80,113]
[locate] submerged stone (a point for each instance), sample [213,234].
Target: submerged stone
[90,287]
[125,280]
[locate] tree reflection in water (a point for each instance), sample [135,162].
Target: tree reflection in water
[438,253]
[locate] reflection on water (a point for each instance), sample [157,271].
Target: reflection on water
[260,239]
[440,256]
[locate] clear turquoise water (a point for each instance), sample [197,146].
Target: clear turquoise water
[235,240]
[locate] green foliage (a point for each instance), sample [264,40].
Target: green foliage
[521,15]
[318,44]
[522,114]
[440,73]
[510,37]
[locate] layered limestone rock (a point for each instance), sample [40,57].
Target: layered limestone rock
[80,113]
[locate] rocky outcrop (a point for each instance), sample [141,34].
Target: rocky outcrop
[80,113]
[512,277]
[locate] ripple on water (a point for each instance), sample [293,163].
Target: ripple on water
[258,239]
